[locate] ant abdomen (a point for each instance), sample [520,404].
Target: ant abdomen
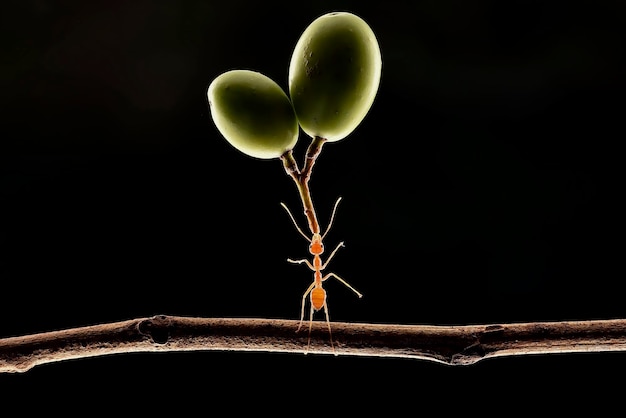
[318,298]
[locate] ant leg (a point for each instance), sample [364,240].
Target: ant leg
[330,333]
[342,281]
[304,260]
[303,303]
[332,255]
[308,345]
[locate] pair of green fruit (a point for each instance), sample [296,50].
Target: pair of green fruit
[334,75]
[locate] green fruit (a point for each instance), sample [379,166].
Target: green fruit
[253,113]
[334,75]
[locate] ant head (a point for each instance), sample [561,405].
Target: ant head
[316,247]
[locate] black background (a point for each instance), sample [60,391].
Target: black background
[482,187]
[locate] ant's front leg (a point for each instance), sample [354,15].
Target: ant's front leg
[332,255]
[304,260]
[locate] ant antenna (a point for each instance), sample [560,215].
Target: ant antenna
[294,222]
[332,217]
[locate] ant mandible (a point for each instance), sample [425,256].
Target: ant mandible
[316,290]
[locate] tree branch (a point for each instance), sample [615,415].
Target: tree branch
[453,345]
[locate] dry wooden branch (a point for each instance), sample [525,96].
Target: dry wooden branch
[453,345]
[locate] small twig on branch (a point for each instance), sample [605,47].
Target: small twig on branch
[301,178]
[453,345]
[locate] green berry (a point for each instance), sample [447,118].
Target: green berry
[253,113]
[334,75]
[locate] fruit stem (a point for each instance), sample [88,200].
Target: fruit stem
[301,178]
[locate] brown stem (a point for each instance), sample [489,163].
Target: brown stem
[453,345]
[301,178]
[311,156]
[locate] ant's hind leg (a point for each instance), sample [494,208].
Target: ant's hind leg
[304,303]
[308,344]
[330,333]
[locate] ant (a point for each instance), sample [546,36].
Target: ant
[317,292]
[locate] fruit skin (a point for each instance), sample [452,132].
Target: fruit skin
[253,113]
[334,75]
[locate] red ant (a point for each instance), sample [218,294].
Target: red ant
[317,292]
